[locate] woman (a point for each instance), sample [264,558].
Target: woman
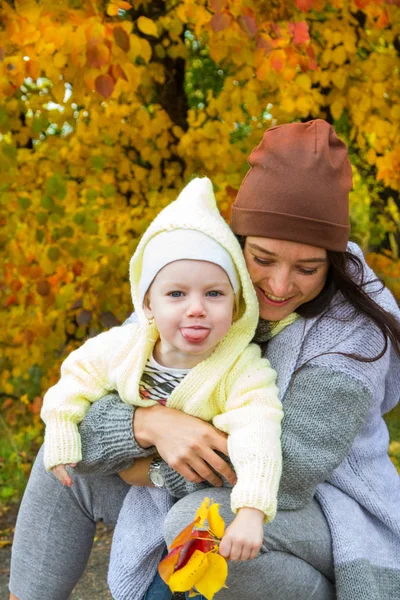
[337,533]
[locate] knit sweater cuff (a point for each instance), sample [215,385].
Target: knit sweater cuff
[108,442]
[62,444]
[257,487]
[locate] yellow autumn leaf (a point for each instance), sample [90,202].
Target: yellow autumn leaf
[339,55]
[214,577]
[184,579]
[337,108]
[145,50]
[59,60]
[304,81]
[112,10]
[147,26]
[215,521]
[202,512]
[339,78]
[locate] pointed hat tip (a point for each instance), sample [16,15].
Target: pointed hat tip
[199,193]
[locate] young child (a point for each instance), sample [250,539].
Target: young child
[189,349]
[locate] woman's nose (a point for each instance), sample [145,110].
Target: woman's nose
[280,284]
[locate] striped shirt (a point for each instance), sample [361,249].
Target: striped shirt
[158,382]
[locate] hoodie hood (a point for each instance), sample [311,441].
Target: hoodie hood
[196,209]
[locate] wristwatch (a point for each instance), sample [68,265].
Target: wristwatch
[155,475]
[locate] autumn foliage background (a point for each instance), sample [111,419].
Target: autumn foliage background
[108,108]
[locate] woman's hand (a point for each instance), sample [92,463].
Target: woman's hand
[138,473]
[186,443]
[244,536]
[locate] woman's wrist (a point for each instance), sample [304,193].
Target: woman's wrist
[143,423]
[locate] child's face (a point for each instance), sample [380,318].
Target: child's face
[192,303]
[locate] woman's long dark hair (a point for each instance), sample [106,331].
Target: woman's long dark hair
[346,275]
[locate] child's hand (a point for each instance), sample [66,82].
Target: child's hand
[244,536]
[62,474]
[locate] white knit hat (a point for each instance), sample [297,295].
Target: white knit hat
[194,213]
[183,244]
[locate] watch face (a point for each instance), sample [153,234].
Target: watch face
[157,479]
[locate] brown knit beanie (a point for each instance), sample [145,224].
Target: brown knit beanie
[297,188]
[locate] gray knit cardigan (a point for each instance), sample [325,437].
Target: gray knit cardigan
[334,439]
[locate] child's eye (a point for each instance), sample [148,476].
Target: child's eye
[214,294]
[175,294]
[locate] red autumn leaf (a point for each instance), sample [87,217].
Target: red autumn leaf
[304,5]
[36,405]
[122,39]
[299,31]
[217,5]
[220,21]
[248,23]
[312,63]
[97,54]
[43,288]
[104,85]
[77,267]
[362,3]
[383,19]
[10,300]
[264,43]
[204,545]
[117,72]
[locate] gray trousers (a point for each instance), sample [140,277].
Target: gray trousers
[56,525]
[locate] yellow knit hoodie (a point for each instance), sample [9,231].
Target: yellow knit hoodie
[234,388]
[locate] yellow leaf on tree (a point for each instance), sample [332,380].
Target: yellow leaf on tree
[215,521]
[339,78]
[147,26]
[184,579]
[112,10]
[337,109]
[214,577]
[145,50]
[339,55]
[304,81]
[59,60]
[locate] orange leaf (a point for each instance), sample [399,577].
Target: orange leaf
[112,10]
[184,535]
[361,3]
[278,60]
[122,39]
[104,85]
[167,565]
[124,5]
[304,5]
[383,19]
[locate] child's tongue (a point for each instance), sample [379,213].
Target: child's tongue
[195,335]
